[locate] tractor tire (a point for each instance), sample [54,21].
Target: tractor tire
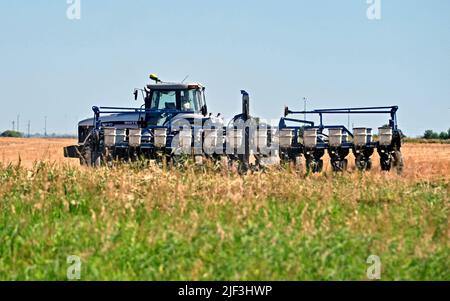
[314,166]
[339,165]
[345,165]
[362,163]
[386,163]
[108,159]
[86,158]
[336,165]
[243,168]
[96,159]
[319,166]
[398,163]
[369,164]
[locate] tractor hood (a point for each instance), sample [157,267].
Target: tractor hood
[130,120]
[122,120]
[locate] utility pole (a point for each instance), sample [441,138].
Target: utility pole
[29,126]
[305,100]
[13,128]
[348,121]
[45,126]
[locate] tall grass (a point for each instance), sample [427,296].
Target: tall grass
[136,223]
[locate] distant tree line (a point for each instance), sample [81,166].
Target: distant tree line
[16,134]
[11,134]
[430,134]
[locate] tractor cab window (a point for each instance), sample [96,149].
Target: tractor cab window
[164,100]
[189,100]
[182,100]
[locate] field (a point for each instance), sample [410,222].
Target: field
[146,223]
[30,151]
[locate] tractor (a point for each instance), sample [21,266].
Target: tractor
[173,124]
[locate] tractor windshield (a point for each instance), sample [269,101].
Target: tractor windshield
[182,100]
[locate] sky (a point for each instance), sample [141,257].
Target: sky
[279,51]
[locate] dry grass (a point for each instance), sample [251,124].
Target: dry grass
[32,150]
[423,161]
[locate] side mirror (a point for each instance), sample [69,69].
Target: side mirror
[135,94]
[204,110]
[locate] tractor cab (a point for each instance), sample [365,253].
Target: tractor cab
[176,97]
[165,102]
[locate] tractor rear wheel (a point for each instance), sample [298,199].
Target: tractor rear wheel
[96,159]
[86,159]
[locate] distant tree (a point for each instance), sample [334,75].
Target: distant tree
[429,134]
[11,134]
[443,136]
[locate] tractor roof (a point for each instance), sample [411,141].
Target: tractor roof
[174,86]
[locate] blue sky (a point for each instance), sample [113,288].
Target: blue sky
[279,51]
